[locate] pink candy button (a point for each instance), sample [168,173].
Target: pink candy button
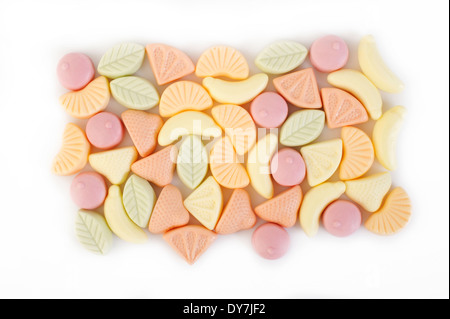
[104,130]
[88,190]
[75,71]
[329,53]
[341,218]
[288,167]
[270,241]
[269,110]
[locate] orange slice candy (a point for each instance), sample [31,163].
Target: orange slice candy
[393,215]
[143,128]
[237,214]
[358,153]
[169,211]
[168,63]
[237,124]
[74,152]
[222,61]
[184,96]
[300,88]
[342,108]
[88,101]
[190,241]
[225,167]
[157,168]
[283,208]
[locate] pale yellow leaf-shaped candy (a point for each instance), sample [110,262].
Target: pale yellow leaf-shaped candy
[236,92]
[385,134]
[192,161]
[114,164]
[369,191]
[360,86]
[322,159]
[118,220]
[374,67]
[138,199]
[258,162]
[315,201]
[188,123]
[122,59]
[302,127]
[206,202]
[281,57]
[93,232]
[134,92]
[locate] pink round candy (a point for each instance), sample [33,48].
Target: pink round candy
[104,130]
[341,218]
[75,71]
[88,190]
[270,241]
[269,110]
[288,167]
[329,53]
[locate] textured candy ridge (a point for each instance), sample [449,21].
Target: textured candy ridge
[88,101]
[358,154]
[222,61]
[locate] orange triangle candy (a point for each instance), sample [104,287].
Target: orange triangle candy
[157,168]
[168,63]
[190,241]
[143,128]
[358,154]
[169,211]
[299,88]
[342,108]
[392,216]
[282,209]
[237,214]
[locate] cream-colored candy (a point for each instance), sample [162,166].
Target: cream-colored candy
[258,167]
[236,92]
[384,136]
[374,67]
[322,159]
[118,219]
[360,86]
[93,232]
[138,199]
[114,164]
[315,201]
[206,202]
[192,161]
[369,191]
[188,123]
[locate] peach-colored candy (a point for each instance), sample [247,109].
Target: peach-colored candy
[358,154]
[222,61]
[168,63]
[283,208]
[341,108]
[393,215]
[74,152]
[190,241]
[184,96]
[237,214]
[157,168]
[300,88]
[169,211]
[225,167]
[143,128]
[88,101]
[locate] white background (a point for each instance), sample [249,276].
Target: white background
[39,254]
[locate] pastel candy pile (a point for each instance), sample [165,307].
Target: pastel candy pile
[191,130]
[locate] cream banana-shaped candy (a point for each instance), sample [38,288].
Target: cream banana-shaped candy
[385,134]
[236,92]
[374,67]
[360,86]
